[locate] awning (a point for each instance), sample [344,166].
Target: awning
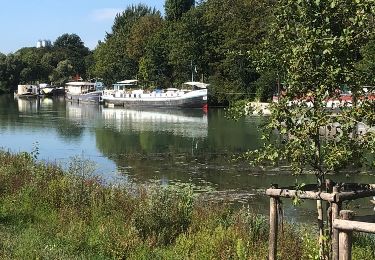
[197,84]
[128,81]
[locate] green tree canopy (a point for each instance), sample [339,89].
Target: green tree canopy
[117,58]
[124,22]
[174,9]
[318,47]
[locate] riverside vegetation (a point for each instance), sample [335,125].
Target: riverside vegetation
[49,212]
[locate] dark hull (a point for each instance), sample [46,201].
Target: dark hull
[92,97]
[54,93]
[192,102]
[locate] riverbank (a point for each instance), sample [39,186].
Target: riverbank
[50,213]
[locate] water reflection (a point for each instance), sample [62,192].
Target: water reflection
[186,123]
[29,105]
[83,113]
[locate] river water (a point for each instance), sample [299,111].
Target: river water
[154,146]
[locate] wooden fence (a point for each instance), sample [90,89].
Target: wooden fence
[346,224]
[335,197]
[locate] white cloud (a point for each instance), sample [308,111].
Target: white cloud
[105,14]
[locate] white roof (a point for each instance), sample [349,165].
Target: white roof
[197,84]
[127,81]
[80,83]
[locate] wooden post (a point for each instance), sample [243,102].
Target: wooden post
[272,249]
[345,237]
[321,228]
[336,207]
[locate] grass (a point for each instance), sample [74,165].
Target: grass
[48,213]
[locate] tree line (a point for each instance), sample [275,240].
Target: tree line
[220,42]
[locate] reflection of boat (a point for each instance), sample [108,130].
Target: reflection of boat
[33,105]
[123,95]
[82,111]
[81,91]
[28,106]
[191,123]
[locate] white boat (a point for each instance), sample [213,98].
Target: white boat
[49,91]
[27,91]
[82,91]
[127,94]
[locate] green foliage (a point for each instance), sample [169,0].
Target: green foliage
[216,41]
[367,65]
[174,9]
[239,109]
[234,71]
[143,29]
[58,63]
[363,246]
[211,41]
[48,213]
[318,49]
[165,214]
[125,21]
[62,73]
[117,58]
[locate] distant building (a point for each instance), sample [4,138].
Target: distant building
[43,43]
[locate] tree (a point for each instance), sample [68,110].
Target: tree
[141,33]
[71,42]
[316,49]
[174,9]
[62,73]
[233,46]
[112,59]
[185,45]
[13,68]
[3,76]
[125,21]
[367,64]
[154,67]
[70,47]
[319,45]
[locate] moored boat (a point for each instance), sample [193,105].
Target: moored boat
[81,91]
[27,91]
[47,90]
[127,94]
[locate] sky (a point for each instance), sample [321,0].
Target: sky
[24,22]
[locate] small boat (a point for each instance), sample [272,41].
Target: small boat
[81,91]
[47,90]
[27,91]
[127,94]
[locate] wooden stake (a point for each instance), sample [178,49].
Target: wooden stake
[321,228]
[345,237]
[272,250]
[336,207]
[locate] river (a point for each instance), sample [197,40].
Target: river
[154,146]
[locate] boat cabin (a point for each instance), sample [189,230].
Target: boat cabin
[196,85]
[27,90]
[122,85]
[80,87]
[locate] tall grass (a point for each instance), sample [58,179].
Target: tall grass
[48,213]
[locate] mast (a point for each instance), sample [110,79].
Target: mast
[192,71]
